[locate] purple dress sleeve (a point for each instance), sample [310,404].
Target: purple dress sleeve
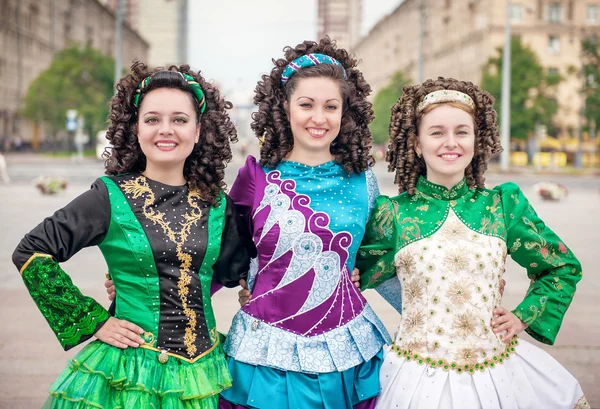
[243,191]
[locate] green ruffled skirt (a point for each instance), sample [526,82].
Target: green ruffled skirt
[105,377]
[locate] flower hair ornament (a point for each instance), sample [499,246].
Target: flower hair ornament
[444,95]
[308,60]
[196,90]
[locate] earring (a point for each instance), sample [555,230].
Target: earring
[418,155]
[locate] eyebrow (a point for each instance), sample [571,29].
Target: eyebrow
[174,113]
[312,99]
[442,126]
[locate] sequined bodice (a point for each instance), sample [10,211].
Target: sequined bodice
[305,314]
[307,235]
[450,286]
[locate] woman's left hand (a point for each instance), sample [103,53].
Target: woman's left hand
[505,320]
[355,278]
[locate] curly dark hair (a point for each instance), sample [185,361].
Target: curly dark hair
[204,169]
[404,124]
[352,146]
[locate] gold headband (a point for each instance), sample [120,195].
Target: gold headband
[444,95]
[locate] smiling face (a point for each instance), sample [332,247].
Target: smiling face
[315,114]
[167,129]
[447,143]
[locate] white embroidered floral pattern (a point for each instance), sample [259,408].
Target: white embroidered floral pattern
[449,294]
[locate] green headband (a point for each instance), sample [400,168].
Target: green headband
[198,93]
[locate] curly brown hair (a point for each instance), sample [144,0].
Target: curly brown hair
[204,169]
[352,146]
[404,124]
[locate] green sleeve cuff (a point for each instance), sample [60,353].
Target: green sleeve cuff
[530,311]
[73,317]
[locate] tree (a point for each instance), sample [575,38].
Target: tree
[591,72]
[531,88]
[78,78]
[384,100]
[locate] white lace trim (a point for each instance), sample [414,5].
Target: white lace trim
[257,343]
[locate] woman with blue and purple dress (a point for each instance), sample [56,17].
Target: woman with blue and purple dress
[307,338]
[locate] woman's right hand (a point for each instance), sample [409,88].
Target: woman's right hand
[120,333]
[110,289]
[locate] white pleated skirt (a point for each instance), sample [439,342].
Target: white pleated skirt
[530,379]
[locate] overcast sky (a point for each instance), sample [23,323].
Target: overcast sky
[233,41]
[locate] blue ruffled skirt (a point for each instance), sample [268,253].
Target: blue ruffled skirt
[262,387]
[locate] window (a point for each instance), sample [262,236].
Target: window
[553,71]
[570,10]
[554,13]
[516,14]
[34,17]
[591,14]
[553,44]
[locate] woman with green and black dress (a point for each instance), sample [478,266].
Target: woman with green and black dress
[168,234]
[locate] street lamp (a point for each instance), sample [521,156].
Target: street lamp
[421,40]
[505,109]
[118,41]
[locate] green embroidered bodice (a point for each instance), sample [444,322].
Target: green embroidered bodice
[165,249]
[402,228]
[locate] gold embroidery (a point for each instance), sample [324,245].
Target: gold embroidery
[542,246]
[582,403]
[454,308]
[33,257]
[413,290]
[516,245]
[464,324]
[384,222]
[183,358]
[138,187]
[497,226]
[468,355]
[454,231]
[406,261]
[459,293]
[414,319]
[467,366]
[148,338]
[457,260]
[534,310]
[415,345]
[214,335]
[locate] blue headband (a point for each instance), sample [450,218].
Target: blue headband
[308,60]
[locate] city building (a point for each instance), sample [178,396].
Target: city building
[340,20]
[31,31]
[461,35]
[163,23]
